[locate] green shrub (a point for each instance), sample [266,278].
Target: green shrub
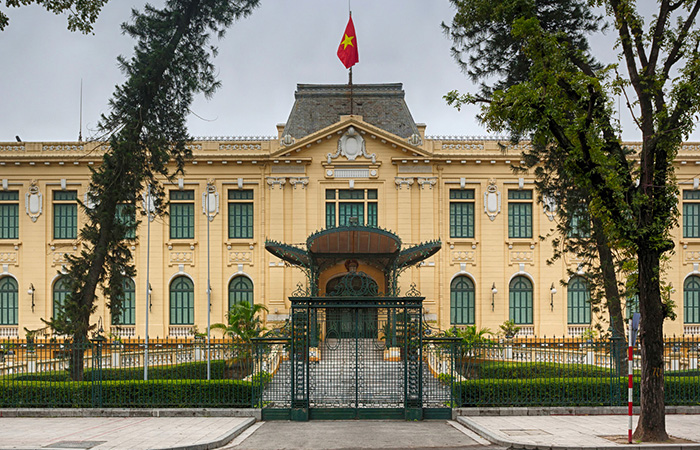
[566,392]
[509,370]
[129,394]
[185,371]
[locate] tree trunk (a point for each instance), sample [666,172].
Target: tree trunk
[77,360]
[652,419]
[612,296]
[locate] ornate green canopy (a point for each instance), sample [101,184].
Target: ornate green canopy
[373,246]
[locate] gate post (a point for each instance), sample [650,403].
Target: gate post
[299,361]
[414,363]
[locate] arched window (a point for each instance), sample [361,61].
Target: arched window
[520,297]
[691,299]
[181,301]
[578,302]
[60,292]
[128,314]
[8,301]
[462,301]
[240,289]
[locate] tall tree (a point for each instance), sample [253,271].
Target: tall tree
[488,53]
[82,14]
[146,125]
[562,101]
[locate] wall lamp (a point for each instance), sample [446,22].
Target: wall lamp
[494,291]
[553,291]
[150,302]
[31,291]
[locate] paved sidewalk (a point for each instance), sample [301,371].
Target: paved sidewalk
[200,433]
[133,433]
[576,432]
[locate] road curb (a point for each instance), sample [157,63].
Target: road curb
[221,441]
[498,440]
[564,411]
[255,413]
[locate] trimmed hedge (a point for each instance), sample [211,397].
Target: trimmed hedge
[129,394]
[185,371]
[509,370]
[565,392]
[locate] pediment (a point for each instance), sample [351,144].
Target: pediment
[351,136]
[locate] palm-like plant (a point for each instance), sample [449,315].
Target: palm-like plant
[243,324]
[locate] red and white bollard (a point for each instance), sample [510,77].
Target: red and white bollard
[630,354]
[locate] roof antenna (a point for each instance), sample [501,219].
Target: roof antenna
[80,132]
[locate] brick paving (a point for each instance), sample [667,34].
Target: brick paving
[103,433]
[574,432]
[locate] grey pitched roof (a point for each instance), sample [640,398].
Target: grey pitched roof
[318,106]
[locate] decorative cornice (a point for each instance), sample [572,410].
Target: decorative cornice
[403,181]
[33,201]
[302,181]
[549,206]
[272,181]
[427,181]
[492,200]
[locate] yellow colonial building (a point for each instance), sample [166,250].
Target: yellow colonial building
[338,160]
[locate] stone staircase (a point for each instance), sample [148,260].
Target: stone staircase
[353,373]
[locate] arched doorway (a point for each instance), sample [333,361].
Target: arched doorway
[345,323]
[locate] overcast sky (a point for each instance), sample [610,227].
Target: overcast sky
[261,60]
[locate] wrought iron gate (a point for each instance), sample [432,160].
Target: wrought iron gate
[356,358]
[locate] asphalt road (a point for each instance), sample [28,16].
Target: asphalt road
[375,434]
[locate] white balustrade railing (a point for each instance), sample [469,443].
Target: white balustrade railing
[181,331]
[577,330]
[9,332]
[691,330]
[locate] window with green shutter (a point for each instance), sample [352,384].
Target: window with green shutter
[240,214]
[61,290]
[9,214]
[462,213]
[240,289]
[65,214]
[691,214]
[520,301]
[128,312]
[182,214]
[578,302]
[181,301]
[344,206]
[691,299]
[519,214]
[8,301]
[462,301]
[126,215]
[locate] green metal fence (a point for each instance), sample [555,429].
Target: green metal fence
[566,372]
[38,374]
[526,372]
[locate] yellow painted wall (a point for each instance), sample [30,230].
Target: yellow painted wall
[289,184]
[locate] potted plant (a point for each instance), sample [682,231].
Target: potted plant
[509,329]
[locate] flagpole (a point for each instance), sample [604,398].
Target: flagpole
[350,83]
[350,73]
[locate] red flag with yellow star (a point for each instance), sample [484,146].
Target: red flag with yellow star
[347,50]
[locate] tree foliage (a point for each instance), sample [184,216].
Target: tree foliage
[82,14]
[561,99]
[172,62]
[243,322]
